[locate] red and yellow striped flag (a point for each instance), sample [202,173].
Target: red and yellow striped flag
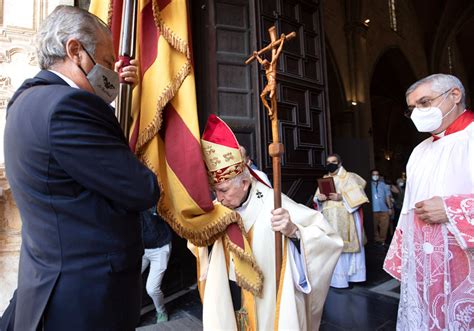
[165,130]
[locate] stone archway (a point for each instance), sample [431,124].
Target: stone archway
[341,124]
[343,120]
[393,134]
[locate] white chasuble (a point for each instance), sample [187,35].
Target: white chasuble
[320,249]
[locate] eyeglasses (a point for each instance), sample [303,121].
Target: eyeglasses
[423,103]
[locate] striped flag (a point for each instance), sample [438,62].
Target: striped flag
[165,130]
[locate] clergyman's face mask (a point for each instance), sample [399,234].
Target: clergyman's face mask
[332,167]
[430,119]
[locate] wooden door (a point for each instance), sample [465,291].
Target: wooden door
[226,32]
[302,107]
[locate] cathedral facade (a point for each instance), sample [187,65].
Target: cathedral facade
[341,85]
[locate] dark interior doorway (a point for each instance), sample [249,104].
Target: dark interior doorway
[394,135]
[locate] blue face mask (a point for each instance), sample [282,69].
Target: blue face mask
[104,81]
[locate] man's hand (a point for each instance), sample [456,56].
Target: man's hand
[130,72]
[431,211]
[321,197]
[281,222]
[335,196]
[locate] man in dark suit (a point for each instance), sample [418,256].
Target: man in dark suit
[77,185]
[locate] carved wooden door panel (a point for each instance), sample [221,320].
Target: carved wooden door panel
[302,106]
[226,86]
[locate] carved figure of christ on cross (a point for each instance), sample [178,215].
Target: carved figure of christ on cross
[276,148]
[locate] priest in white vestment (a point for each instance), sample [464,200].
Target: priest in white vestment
[432,252]
[311,249]
[343,211]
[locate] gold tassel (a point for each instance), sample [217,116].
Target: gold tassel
[110,13]
[242,318]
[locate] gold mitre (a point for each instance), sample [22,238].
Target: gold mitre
[221,151]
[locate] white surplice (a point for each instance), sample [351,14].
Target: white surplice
[435,266]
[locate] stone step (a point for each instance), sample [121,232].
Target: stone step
[180,324]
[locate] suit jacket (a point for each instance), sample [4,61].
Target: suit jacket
[79,190]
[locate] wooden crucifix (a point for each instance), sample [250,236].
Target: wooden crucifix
[275,149]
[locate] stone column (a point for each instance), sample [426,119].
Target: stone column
[19,21]
[10,240]
[356,38]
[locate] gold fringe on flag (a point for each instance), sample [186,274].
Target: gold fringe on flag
[110,12]
[249,275]
[151,130]
[178,43]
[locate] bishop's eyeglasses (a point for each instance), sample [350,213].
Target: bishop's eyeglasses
[422,104]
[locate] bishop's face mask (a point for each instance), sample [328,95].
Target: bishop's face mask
[429,119]
[104,81]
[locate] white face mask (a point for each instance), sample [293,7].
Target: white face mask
[429,119]
[375,178]
[104,81]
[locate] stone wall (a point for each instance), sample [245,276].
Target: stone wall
[10,240]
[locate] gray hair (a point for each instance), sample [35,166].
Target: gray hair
[237,180]
[440,83]
[64,23]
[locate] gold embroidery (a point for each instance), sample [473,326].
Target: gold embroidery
[215,161]
[210,150]
[225,174]
[228,157]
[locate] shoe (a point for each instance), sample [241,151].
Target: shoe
[161,317]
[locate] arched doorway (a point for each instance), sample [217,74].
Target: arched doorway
[394,136]
[345,138]
[341,120]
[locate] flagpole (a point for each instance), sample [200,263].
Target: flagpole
[126,53]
